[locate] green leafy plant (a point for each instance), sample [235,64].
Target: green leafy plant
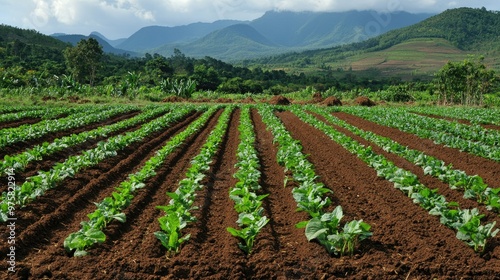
[327,230]
[181,202]
[251,227]
[246,201]
[77,242]
[170,236]
[466,222]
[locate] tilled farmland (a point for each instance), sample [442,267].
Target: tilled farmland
[408,241]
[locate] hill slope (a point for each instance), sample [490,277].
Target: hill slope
[239,40]
[28,48]
[455,32]
[106,47]
[313,29]
[152,37]
[280,32]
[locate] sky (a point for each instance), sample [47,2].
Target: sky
[121,18]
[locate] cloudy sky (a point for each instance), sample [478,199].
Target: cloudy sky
[120,18]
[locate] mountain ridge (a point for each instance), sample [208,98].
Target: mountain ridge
[292,31]
[73,39]
[455,33]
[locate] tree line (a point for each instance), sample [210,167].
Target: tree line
[72,68]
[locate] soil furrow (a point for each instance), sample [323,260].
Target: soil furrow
[406,239]
[426,180]
[462,121]
[407,242]
[279,244]
[60,156]
[21,146]
[487,169]
[57,206]
[129,237]
[16,123]
[210,244]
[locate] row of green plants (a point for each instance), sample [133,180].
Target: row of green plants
[310,194]
[40,112]
[36,186]
[26,132]
[466,222]
[20,161]
[406,122]
[476,133]
[112,207]
[473,185]
[6,109]
[49,111]
[473,114]
[178,211]
[247,201]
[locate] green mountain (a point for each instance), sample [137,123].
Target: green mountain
[113,43]
[420,48]
[238,40]
[281,32]
[152,37]
[28,48]
[106,47]
[326,29]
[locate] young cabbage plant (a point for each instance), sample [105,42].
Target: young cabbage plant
[249,232]
[326,229]
[170,236]
[76,242]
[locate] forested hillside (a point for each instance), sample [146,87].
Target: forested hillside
[468,29]
[30,49]
[414,53]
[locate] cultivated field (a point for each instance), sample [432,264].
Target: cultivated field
[424,179]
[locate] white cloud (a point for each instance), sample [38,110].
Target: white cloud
[66,11]
[121,18]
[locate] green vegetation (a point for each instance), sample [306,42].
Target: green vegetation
[473,186]
[310,194]
[474,140]
[20,161]
[37,185]
[247,202]
[467,222]
[397,66]
[111,207]
[178,211]
[464,83]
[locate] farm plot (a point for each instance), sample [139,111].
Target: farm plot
[406,242]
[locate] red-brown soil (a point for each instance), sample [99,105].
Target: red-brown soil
[17,123]
[487,169]
[174,98]
[364,101]
[407,242]
[279,100]
[316,97]
[21,146]
[462,121]
[331,101]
